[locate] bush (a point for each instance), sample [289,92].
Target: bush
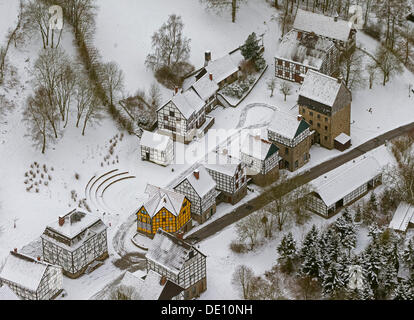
[239,88]
[238,247]
[374,31]
[260,64]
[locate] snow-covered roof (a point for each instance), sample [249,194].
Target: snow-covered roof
[343,138]
[163,198]
[203,184]
[309,50]
[258,148]
[148,287]
[222,68]
[168,251]
[23,270]
[322,25]
[287,125]
[205,87]
[320,87]
[188,102]
[155,140]
[75,222]
[402,217]
[223,163]
[336,184]
[7,294]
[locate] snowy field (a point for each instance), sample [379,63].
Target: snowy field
[124,36]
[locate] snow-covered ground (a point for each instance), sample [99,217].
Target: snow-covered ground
[124,35]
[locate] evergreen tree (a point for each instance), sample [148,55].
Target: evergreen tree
[408,256]
[372,264]
[402,291]
[287,252]
[250,50]
[309,242]
[373,202]
[332,281]
[311,265]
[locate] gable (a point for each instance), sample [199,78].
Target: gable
[302,127]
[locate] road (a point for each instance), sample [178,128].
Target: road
[324,167]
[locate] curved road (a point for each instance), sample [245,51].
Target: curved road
[322,168]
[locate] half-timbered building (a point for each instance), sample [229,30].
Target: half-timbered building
[337,30]
[325,103]
[344,185]
[200,188]
[31,279]
[261,158]
[299,52]
[179,262]
[74,241]
[165,209]
[292,135]
[182,116]
[229,173]
[157,148]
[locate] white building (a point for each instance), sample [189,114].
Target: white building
[345,184]
[74,241]
[403,217]
[31,279]
[157,148]
[200,188]
[261,158]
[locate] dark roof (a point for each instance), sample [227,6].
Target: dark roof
[302,127]
[273,149]
[170,291]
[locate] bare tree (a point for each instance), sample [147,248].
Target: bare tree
[285,17]
[48,71]
[83,96]
[405,42]
[170,46]
[92,112]
[372,70]
[271,85]
[64,91]
[351,69]
[36,118]
[285,89]
[124,292]
[387,62]
[242,278]
[112,80]
[248,228]
[225,5]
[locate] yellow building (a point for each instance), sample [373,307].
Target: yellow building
[164,209]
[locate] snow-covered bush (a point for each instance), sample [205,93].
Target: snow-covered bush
[239,88]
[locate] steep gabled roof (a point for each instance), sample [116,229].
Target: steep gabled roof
[205,87]
[23,271]
[203,185]
[320,87]
[222,68]
[222,163]
[163,198]
[169,251]
[155,140]
[287,125]
[258,148]
[322,25]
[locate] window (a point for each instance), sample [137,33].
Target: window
[297,67]
[164,219]
[326,119]
[326,138]
[286,150]
[303,110]
[326,127]
[280,72]
[319,116]
[296,163]
[279,62]
[287,64]
[305,157]
[287,74]
[237,185]
[311,113]
[310,121]
[165,118]
[319,125]
[172,114]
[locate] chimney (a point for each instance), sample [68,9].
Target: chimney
[163,280]
[207,58]
[196,174]
[299,35]
[336,17]
[15,250]
[300,117]
[61,221]
[257,137]
[38,259]
[211,76]
[176,90]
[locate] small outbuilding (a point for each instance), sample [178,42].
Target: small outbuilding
[157,148]
[342,142]
[403,218]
